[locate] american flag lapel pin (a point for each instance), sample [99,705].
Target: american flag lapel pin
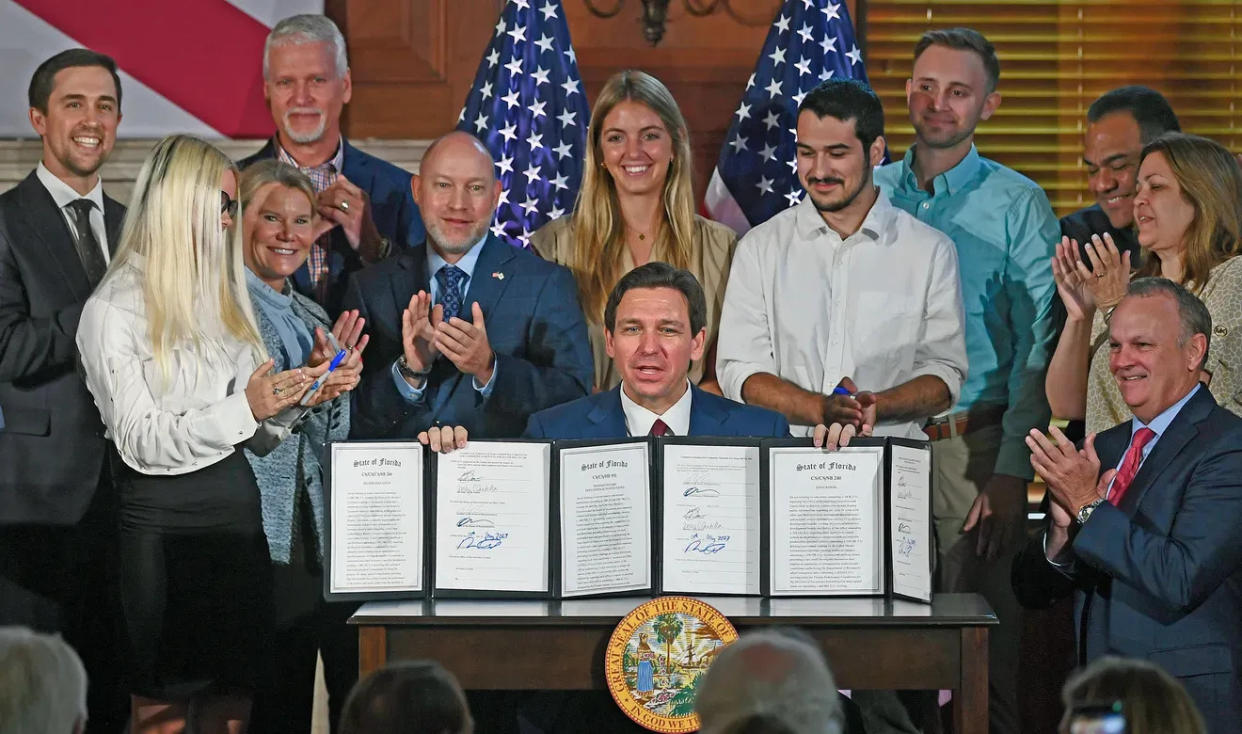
[498,275]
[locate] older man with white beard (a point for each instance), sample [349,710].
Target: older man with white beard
[465,330]
[365,203]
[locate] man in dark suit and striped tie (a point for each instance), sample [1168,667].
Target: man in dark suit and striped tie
[1143,520]
[57,232]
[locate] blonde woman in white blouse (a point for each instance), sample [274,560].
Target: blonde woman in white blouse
[178,370]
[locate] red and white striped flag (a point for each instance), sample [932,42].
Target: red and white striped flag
[190,67]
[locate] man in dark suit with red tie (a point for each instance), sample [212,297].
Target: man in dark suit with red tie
[1144,518]
[57,232]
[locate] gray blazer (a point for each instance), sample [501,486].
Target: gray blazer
[295,462]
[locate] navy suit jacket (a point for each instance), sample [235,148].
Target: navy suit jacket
[1160,576]
[600,416]
[48,413]
[392,208]
[534,324]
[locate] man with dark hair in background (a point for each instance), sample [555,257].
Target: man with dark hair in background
[1119,124]
[885,348]
[884,345]
[405,697]
[57,508]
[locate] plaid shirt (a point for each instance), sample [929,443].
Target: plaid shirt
[321,176]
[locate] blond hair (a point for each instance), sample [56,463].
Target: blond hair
[599,231]
[271,171]
[1211,182]
[192,268]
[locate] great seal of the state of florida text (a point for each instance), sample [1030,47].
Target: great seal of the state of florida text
[656,657]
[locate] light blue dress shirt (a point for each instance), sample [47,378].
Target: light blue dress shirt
[414,395]
[1005,233]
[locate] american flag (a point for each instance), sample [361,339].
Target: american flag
[528,107]
[756,175]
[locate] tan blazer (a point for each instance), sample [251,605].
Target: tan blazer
[709,261]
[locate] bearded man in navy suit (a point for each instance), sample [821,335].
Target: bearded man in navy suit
[465,329]
[1144,518]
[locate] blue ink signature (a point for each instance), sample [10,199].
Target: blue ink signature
[903,527]
[470,522]
[907,547]
[692,491]
[707,544]
[468,476]
[487,542]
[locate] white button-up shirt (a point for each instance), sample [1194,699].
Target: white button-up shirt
[193,418]
[64,195]
[639,420]
[881,306]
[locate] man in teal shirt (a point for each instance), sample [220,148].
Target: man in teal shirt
[1005,232]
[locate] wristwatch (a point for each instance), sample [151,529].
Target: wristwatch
[1085,511]
[409,372]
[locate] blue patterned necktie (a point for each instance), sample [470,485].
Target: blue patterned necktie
[450,278]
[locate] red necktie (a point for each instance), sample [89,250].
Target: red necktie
[659,428]
[1130,465]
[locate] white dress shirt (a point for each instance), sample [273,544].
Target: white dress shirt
[638,420]
[194,418]
[64,195]
[881,306]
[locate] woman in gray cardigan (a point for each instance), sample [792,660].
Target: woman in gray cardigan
[279,227]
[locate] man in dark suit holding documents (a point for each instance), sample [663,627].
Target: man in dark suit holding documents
[654,327]
[654,323]
[1143,520]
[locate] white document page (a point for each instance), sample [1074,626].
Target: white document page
[825,515]
[910,517]
[492,516]
[376,517]
[711,519]
[605,519]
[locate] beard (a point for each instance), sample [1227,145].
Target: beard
[459,245]
[305,137]
[839,204]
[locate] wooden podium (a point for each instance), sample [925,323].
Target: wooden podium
[559,645]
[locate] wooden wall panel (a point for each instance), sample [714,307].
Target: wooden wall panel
[704,61]
[414,60]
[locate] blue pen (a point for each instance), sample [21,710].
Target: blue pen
[838,390]
[341,354]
